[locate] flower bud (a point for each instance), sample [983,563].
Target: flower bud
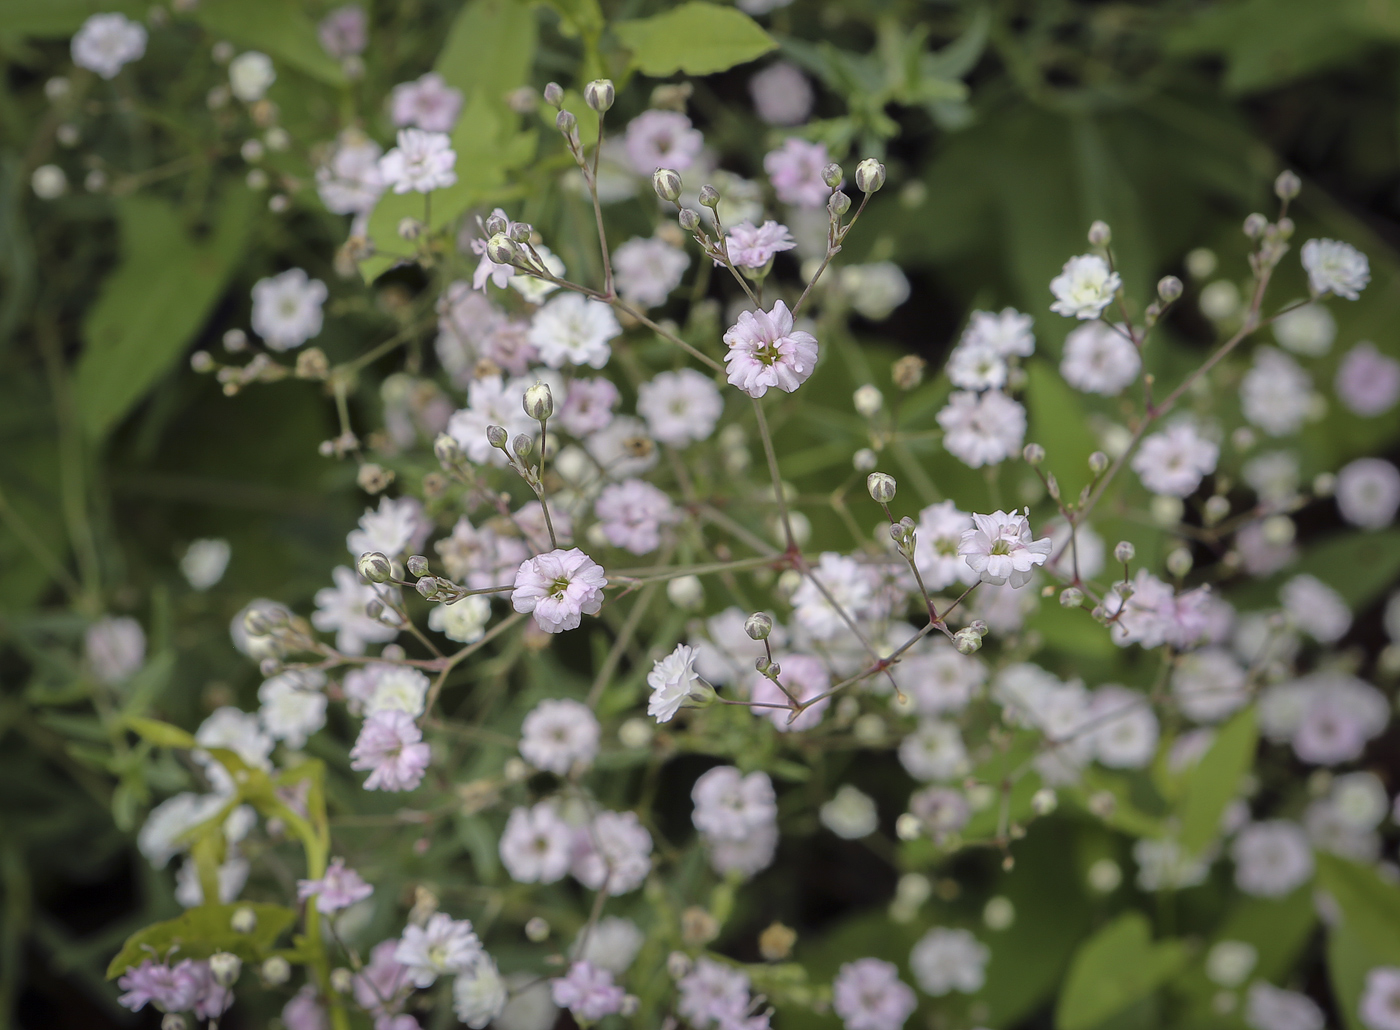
[342,980]
[600,94]
[1217,507]
[496,436]
[870,175]
[1169,288]
[868,400]
[520,232]
[1284,229]
[908,371]
[1124,552]
[173,1021]
[1044,801]
[201,361]
[1071,597]
[225,966]
[565,122]
[689,220]
[1287,185]
[775,943]
[1324,484]
[522,445]
[1255,225]
[979,626]
[374,608]
[908,826]
[553,94]
[537,929]
[686,592]
[501,249]
[967,642]
[832,175]
[881,486]
[865,460]
[1100,235]
[838,205]
[448,451]
[758,625]
[1179,562]
[709,197]
[539,402]
[1098,463]
[417,564]
[678,964]
[375,567]
[667,183]
[1033,453]
[275,971]
[495,224]
[410,228]
[244,920]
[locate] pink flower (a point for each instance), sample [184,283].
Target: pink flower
[391,744]
[1380,1003]
[662,139]
[982,428]
[1000,548]
[612,853]
[588,406]
[429,103]
[804,677]
[795,169]
[1175,461]
[765,351]
[169,988]
[1368,382]
[750,247]
[732,806]
[537,846]
[343,31]
[381,986]
[781,94]
[868,995]
[588,992]
[559,588]
[304,1011]
[339,888]
[631,514]
[713,992]
[422,162]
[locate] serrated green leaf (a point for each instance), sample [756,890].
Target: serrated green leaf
[697,38]
[201,931]
[1117,967]
[161,734]
[279,29]
[1214,781]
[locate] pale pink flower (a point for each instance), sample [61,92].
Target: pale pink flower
[588,992]
[648,269]
[805,678]
[537,846]
[1317,609]
[1275,394]
[1380,1001]
[947,960]
[559,734]
[936,543]
[795,169]
[1099,358]
[399,525]
[422,162]
[662,139]
[427,103]
[868,995]
[1000,548]
[766,351]
[588,405]
[976,366]
[339,888]
[349,182]
[304,1011]
[381,987]
[612,853]
[1271,858]
[1268,1007]
[531,522]
[344,32]
[982,428]
[106,42]
[114,648]
[342,608]
[480,558]
[680,407]
[443,945]
[1368,382]
[1175,461]
[747,857]
[730,805]
[558,588]
[1368,492]
[1335,267]
[712,992]
[169,988]
[750,247]
[632,513]
[491,400]
[1008,332]
[391,745]
[781,94]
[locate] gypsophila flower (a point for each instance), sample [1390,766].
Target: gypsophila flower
[730,805]
[1209,684]
[339,888]
[114,648]
[805,678]
[939,535]
[169,988]
[612,853]
[344,32]
[680,407]
[1328,717]
[982,428]
[746,857]
[1271,858]
[441,946]
[1163,865]
[1380,999]
[1007,332]
[382,985]
[976,366]
[397,526]
[632,513]
[934,751]
[558,734]
[106,42]
[623,448]
[1272,1008]
[1084,287]
[1368,382]
[1000,548]
[537,845]
[647,269]
[422,162]
[287,309]
[1335,267]
[846,587]
[349,182]
[230,729]
[781,94]
[559,588]
[753,247]
[947,960]
[1125,730]
[875,289]
[1174,462]
[304,1011]
[939,679]
[480,558]
[1317,609]
[1308,330]
[766,351]
[250,74]
[478,993]
[712,992]
[491,401]
[204,562]
[612,944]
[293,705]
[850,814]
[662,139]
[427,103]
[589,993]
[1099,358]
[1276,393]
[463,621]
[1368,492]
[795,170]
[671,680]
[398,689]
[868,995]
[533,288]
[390,746]
[574,330]
[342,608]
[163,835]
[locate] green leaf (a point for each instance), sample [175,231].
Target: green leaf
[1359,566]
[490,48]
[279,29]
[1214,781]
[161,734]
[155,302]
[51,18]
[1370,906]
[1348,962]
[697,38]
[1057,423]
[201,931]
[1117,967]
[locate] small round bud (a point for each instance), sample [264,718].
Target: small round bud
[495,224]
[667,183]
[235,340]
[636,733]
[980,627]
[908,371]
[678,964]
[1324,484]
[417,564]
[686,592]
[496,436]
[1098,463]
[1279,530]
[342,980]
[1044,801]
[967,642]
[537,929]
[520,232]
[1255,225]
[173,1021]
[1102,804]
[275,971]
[448,450]
[1217,507]
[374,608]
[501,249]
[427,586]
[1284,227]
[553,94]
[1124,552]
[881,486]
[698,927]
[522,445]
[689,220]
[224,967]
[868,400]
[1287,185]
[870,175]
[709,197]
[1169,288]
[600,94]
[539,402]
[865,460]
[832,175]
[775,943]
[1179,562]
[201,361]
[1033,453]
[758,625]
[270,667]
[1100,235]
[244,920]
[908,827]
[1071,597]
[838,205]
[565,122]
[410,228]
[375,567]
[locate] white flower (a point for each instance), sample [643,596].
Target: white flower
[781,94]
[982,429]
[662,139]
[49,182]
[1272,1008]
[427,103]
[746,857]
[1125,730]
[868,995]
[940,679]
[1276,393]
[623,448]
[230,729]
[729,653]
[287,309]
[1368,493]
[532,287]
[397,526]
[1335,267]
[463,621]
[204,563]
[648,269]
[936,542]
[875,289]
[671,680]
[559,734]
[232,875]
[1084,287]
[1271,858]
[847,582]
[443,945]
[559,587]
[422,162]
[731,806]
[976,366]
[106,42]
[947,960]
[613,853]
[631,515]
[250,74]
[1380,1002]
[399,689]
[293,705]
[114,648]
[491,400]
[1175,461]
[574,330]
[479,993]
[160,837]
[680,407]
[1317,609]
[1308,330]
[342,608]
[349,182]
[1229,963]
[1000,548]
[934,751]
[611,944]
[850,814]
[1209,684]
[537,845]
[1368,382]
[1162,865]
[1008,332]
[1360,800]
[1099,358]
[1274,476]
[766,351]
